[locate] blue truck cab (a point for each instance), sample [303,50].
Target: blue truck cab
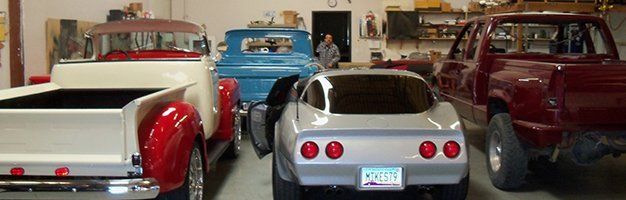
[258,57]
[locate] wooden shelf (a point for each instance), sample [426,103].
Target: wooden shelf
[458,25]
[453,39]
[543,6]
[618,8]
[441,12]
[529,39]
[531,26]
[438,25]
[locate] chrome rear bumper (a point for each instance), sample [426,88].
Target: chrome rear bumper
[348,174]
[79,189]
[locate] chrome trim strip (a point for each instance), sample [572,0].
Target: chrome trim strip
[147,188]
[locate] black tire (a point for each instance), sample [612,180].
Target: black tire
[234,148]
[513,158]
[282,189]
[452,192]
[184,191]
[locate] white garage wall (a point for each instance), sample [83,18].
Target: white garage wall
[36,12]
[614,21]
[219,16]
[223,15]
[5,74]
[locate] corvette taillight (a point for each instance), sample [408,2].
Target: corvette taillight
[309,150]
[334,150]
[451,149]
[428,149]
[17,171]
[63,171]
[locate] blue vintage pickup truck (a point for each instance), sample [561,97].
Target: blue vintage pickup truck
[257,57]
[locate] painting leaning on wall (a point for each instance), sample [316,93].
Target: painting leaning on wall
[64,40]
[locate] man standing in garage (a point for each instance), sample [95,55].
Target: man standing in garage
[328,52]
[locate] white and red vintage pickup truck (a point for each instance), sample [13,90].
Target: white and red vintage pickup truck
[143,115]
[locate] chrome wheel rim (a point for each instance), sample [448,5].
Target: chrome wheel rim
[495,150]
[237,127]
[196,175]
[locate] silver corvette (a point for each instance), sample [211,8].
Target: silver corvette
[360,130]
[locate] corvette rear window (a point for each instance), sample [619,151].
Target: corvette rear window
[369,94]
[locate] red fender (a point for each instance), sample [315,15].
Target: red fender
[229,99]
[34,80]
[166,136]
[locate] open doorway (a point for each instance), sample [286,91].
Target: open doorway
[336,23]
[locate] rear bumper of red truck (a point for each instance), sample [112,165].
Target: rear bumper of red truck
[544,135]
[540,135]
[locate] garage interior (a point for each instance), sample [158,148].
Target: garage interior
[36,34]
[248,178]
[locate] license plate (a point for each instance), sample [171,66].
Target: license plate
[381,177]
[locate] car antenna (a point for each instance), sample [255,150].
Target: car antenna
[298,109]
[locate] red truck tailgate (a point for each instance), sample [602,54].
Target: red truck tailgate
[595,94]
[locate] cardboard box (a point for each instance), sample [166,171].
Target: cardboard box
[291,17]
[427,4]
[421,4]
[446,7]
[474,7]
[434,55]
[432,33]
[434,3]
[134,7]
[393,8]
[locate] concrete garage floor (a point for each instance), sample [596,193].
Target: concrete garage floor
[248,178]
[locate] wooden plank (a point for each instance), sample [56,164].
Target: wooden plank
[543,6]
[566,1]
[272,26]
[618,8]
[15,46]
[562,7]
[451,12]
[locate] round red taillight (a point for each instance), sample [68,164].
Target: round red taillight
[17,171]
[451,149]
[309,150]
[63,171]
[334,150]
[428,149]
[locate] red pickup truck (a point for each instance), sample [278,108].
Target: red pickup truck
[545,85]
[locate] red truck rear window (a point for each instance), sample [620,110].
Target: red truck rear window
[548,38]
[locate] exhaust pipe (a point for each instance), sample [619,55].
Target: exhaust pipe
[588,149]
[333,191]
